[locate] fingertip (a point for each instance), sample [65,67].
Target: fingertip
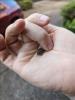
[13,31]
[20,24]
[44,20]
[1,38]
[15,28]
[47,43]
[50,43]
[38,19]
[2,42]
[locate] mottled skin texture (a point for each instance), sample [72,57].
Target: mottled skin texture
[55,69]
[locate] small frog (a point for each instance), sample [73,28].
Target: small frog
[40,51]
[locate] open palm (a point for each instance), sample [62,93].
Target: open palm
[55,69]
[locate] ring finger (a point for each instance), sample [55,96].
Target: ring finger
[3,51]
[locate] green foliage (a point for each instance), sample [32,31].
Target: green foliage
[68,13]
[70,25]
[25,4]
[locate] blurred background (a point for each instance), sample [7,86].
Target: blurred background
[61,13]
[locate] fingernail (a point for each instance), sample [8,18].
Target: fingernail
[44,18]
[44,45]
[50,43]
[47,43]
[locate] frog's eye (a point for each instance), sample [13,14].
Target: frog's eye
[40,51]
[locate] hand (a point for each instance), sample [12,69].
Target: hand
[19,34]
[55,69]
[21,42]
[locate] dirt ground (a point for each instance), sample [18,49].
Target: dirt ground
[49,8]
[45,7]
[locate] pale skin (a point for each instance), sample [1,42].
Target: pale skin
[55,69]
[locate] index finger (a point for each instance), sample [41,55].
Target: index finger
[12,33]
[39,35]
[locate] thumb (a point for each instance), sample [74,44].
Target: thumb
[38,19]
[39,35]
